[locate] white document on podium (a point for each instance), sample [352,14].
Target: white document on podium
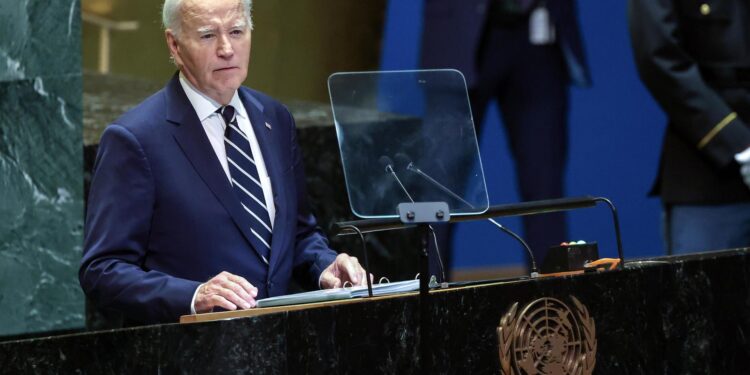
[340,293]
[386,288]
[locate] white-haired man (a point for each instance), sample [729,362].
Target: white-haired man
[198,197]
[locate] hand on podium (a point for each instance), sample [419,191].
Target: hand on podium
[227,291]
[344,268]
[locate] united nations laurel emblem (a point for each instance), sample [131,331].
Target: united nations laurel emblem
[547,338]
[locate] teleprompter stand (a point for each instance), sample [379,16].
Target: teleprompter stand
[423,214]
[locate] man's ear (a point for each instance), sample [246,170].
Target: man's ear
[174,47]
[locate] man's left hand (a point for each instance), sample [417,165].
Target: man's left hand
[344,268]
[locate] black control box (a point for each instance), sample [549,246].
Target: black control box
[569,257]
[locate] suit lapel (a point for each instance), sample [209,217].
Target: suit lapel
[270,147]
[193,141]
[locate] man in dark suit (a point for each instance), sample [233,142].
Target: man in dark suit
[694,57]
[198,197]
[524,54]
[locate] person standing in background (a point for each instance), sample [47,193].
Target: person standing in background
[694,57]
[523,54]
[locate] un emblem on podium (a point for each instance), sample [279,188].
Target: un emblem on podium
[547,337]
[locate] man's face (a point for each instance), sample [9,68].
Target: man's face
[213,49]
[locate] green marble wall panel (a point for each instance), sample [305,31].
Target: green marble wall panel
[41,174]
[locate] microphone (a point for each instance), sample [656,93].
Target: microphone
[406,160]
[387,165]
[403,161]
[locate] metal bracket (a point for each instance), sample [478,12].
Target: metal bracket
[424,212]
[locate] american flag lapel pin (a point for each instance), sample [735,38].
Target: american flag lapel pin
[268,126]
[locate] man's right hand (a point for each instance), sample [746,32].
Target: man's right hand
[743,158]
[227,291]
[745,170]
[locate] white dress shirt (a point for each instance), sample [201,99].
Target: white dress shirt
[213,125]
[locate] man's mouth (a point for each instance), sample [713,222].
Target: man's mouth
[225,69]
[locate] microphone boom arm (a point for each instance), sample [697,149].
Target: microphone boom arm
[440,186]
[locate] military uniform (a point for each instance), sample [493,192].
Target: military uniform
[694,57]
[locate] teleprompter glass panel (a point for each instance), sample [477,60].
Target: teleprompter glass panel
[407,136]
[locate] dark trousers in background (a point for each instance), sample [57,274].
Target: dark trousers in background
[693,228]
[530,84]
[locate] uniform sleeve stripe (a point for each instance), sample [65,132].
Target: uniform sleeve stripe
[721,125]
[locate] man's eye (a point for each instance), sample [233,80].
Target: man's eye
[207,36]
[236,32]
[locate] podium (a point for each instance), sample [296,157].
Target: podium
[670,315]
[673,315]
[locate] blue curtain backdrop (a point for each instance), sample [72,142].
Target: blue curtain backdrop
[615,137]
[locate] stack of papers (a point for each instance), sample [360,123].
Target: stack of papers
[340,293]
[385,288]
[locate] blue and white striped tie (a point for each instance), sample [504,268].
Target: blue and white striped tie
[245,181]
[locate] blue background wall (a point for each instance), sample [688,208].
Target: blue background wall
[615,136]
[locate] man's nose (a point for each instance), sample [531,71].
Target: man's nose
[225,47]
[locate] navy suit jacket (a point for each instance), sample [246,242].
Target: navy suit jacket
[162,217]
[453,29]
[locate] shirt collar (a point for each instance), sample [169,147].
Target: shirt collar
[205,106]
